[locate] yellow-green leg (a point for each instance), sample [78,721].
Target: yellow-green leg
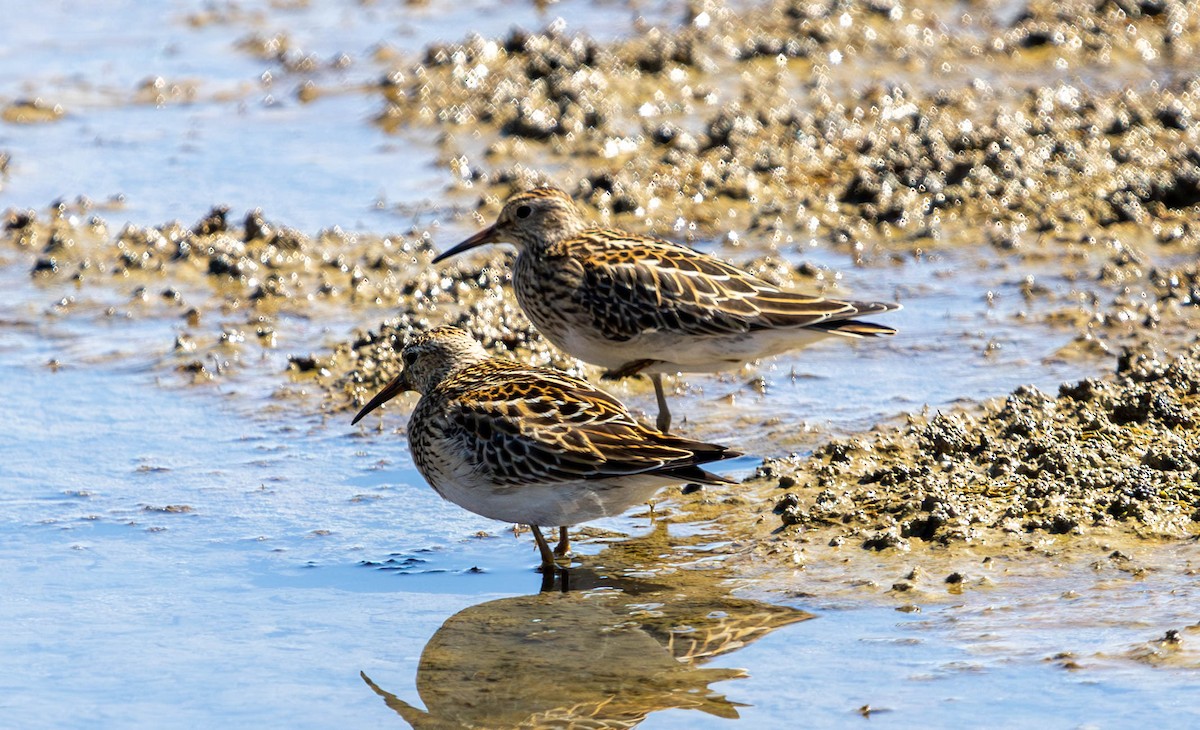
[664,413]
[548,564]
[563,548]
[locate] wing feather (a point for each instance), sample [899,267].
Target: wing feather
[531,424]
[632,285]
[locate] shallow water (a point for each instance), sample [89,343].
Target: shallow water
[229,128]
[198,555]
[170,557]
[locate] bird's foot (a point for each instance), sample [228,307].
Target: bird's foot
[548,561]
[563,548]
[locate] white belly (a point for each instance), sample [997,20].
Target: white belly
[685,353]
[550,504]
[468,485]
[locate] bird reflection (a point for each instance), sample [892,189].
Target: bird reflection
[600,658]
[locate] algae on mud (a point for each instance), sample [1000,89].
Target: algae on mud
[1106,453]
[841,130]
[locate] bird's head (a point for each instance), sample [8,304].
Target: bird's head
[429,358]
[530,219]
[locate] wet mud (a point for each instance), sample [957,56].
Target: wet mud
[1119,451]
[1105,471]
[822,116]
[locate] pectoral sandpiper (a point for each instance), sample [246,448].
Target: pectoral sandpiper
[531,445]
[635,304]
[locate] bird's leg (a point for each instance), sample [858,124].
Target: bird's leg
[633,368]
[664,413]
[563,547]
[548,564]
[628,370]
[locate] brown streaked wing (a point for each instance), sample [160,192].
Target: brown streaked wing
[530,424]
[634,284]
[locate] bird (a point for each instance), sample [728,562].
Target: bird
[531,445]
[637,304]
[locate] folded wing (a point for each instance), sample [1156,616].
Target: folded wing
[531,424]
[654,285]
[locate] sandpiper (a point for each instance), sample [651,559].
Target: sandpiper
[531,445]
[636,304]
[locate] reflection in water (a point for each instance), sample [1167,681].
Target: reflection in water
[603,658]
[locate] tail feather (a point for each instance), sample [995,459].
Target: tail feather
[872,308]
[696,474]
[854,328]
[788,309]
[702,453]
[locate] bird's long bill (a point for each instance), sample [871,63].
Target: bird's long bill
[487,235]
[395,387]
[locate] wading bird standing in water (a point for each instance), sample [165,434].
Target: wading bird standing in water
[531,445]
[635,304]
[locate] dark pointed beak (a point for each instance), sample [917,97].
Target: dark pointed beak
[395,387]
[487,235]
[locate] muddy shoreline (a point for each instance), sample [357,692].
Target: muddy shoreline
[756,129]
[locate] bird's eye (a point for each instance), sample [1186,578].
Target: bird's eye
[524,211]
[409,359]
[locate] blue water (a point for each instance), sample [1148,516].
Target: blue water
[241,138]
